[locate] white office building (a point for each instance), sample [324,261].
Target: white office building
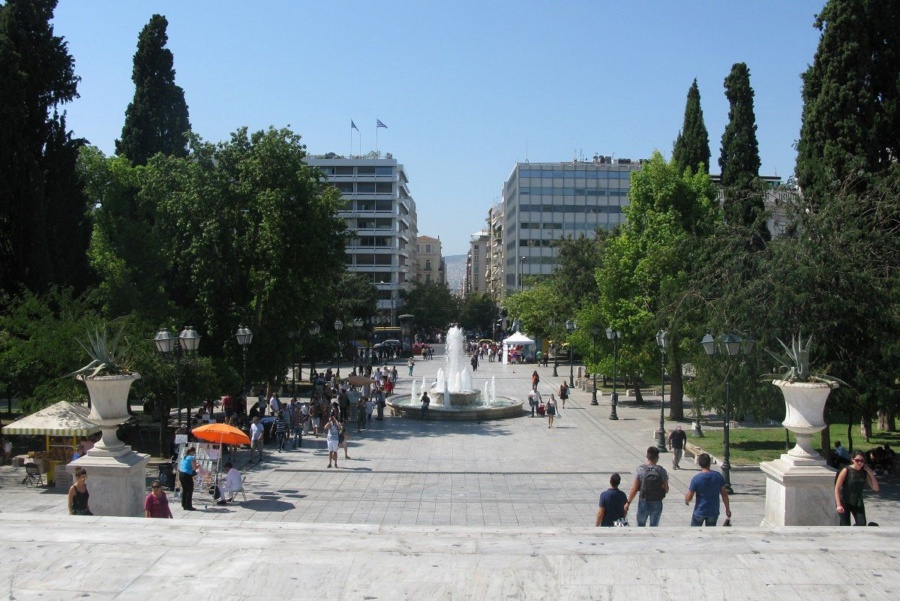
[380,209]
[543,202]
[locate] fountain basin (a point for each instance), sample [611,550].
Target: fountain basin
[501,408]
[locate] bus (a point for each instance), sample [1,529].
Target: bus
[383,333]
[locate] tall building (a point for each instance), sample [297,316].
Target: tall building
[494,273]
[543,202]
[476,262]
[380,209]
[429,261]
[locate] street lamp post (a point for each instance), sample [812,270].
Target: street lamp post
[662,341]
[571,326]
[555,350]
[314,330]
[732,345]
[244,338]
[614,335]
[338,326]
[167,344]
[357,324]
[292,335]
[594,331]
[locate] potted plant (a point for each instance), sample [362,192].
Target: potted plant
[805,394]
[108,378]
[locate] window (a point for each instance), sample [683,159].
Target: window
[384,171]
[343,170]
[365,170]
[365,188]
[427,264]
[384,188]
[428,248]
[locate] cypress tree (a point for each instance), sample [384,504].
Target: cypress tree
[157,119]
[739,161]
[851,98]
[40,196]
[692,144]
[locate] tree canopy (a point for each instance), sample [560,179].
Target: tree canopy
[157,119]
[692,144]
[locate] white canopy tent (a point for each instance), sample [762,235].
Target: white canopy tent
[60,419]
[515,340]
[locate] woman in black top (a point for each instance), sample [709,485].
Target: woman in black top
[78,494]
[848,490]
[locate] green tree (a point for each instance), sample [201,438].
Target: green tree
[648,267]
[692,144]
[851,99]
[478,312]
[39,196]
[744,202]
[540,310]
[432,304]
[157,119]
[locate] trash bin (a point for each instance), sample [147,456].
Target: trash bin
[166,475]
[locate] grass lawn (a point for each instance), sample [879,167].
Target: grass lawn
[750,446]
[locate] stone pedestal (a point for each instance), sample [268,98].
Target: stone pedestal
[117,483]
[799,492]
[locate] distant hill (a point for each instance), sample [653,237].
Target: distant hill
[455,269]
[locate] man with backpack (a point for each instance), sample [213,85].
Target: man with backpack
[652,482]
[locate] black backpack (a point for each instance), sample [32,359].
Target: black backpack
[652,484]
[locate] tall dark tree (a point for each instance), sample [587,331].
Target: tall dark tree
[157,118]
[692,144]
[851,98]
[744,196]
[40,196]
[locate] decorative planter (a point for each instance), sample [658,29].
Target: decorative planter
[804,413]
[109,408]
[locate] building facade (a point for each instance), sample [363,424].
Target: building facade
[543,202]
[430,266]
[476,262]
[379,208]
[494,274]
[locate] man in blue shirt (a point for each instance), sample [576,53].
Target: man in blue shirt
[612,503]
[708,486]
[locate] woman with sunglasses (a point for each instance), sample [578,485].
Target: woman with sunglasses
[848,490]
[156,505]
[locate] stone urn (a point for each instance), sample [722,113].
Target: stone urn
[804,404]
[109,409]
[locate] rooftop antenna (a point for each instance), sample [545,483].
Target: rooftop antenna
[526,148]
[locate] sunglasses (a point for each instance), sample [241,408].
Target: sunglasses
[155,487]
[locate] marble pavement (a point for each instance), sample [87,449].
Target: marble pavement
[446,510]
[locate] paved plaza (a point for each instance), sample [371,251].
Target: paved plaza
[455,510]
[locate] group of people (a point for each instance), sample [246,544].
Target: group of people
[651,485]
[552,407]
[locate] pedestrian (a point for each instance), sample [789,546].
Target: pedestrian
[79,495]
[361,413]
[256,438]
[677,440]
[563,393]
[280,427]
[551,410]
[332,437]
[612,504]
[156,505]
[848,490]
[411,364]
[297,422]
[708,486]
[652,482]
[187,469]
[535,380]
[228,408]
[425,403]
[343,441]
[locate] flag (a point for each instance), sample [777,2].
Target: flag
[379,124]
[353,125]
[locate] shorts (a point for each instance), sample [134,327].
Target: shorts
[332,446]
[229,412]
[315,422]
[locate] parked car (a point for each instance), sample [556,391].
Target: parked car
[388,345]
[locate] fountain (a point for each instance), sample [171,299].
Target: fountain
[453,395]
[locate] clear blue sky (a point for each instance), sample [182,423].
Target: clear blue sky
[466,88]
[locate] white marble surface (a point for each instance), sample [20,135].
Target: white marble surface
[66,557]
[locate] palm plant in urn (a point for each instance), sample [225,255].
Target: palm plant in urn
[805,394]
[108,378]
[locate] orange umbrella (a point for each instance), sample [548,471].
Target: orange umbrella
[221,433]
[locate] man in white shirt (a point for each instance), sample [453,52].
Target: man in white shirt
[256,438]
[232,485]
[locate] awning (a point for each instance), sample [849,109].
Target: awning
[518,338]
[60,419]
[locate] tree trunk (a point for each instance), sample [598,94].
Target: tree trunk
[676,396]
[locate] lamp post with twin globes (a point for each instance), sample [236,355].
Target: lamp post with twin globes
[186,342]
[614,335]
